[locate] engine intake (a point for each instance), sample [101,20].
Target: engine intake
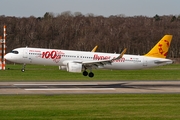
[74,67]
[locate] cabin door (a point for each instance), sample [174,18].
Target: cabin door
[144,62]
[25,53]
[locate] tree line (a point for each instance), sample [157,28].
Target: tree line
[79,32]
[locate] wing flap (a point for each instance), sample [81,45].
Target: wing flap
[97,63]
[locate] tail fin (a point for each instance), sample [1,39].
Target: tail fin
[160,50]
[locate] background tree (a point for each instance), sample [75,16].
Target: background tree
[82,32]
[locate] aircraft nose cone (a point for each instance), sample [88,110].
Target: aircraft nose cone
[7,57]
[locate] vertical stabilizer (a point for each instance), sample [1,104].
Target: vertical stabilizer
[160,50]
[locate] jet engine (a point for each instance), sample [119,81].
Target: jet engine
[74,67]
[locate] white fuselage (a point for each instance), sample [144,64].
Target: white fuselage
[62,57]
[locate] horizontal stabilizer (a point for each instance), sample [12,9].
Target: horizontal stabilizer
[163,61]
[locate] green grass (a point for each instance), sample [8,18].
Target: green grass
[51,73]
[91,107]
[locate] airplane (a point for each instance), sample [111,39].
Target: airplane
[81,61]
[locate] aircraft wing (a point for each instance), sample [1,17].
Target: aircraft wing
[101,63]
[97,63]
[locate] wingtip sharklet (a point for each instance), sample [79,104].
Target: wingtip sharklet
[94,49]
[121,55]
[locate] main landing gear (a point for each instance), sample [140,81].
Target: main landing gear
[85,73]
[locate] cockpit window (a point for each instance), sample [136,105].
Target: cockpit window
[15,52]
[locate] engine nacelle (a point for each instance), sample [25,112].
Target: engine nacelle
[62,67]
[74,67]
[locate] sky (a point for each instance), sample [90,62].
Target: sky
[106,8]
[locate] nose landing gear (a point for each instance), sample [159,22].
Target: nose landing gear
[23,68]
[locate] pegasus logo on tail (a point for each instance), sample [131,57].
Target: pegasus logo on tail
[160,50]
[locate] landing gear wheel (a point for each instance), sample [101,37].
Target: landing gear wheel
[91,74]
[22,70]
[85,73]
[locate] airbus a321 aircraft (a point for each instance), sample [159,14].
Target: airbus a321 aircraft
[81,61]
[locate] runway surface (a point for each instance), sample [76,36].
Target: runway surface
[90,87]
